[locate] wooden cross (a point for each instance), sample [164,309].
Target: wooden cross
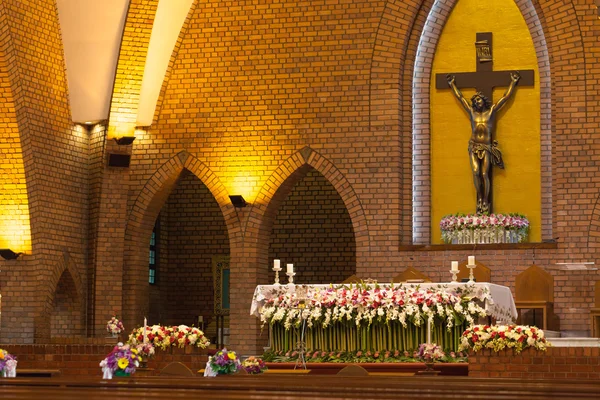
[484,79]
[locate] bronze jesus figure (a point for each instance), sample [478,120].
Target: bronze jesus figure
[483,150]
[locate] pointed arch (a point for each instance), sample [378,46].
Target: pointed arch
[141,220]
[252,261]
[288,174]
[65,271]
[421,134]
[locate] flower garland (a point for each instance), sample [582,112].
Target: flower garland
[114,326]
[365,305]
[165,336]
[360,356]
[500,337]
[8,364]
[452,226]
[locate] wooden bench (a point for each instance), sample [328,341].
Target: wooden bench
[297,387]
[38,373]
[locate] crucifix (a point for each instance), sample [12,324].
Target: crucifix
[483,149]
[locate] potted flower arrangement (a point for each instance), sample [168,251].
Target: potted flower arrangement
[145,351]
[114,326]
[8,365]
[122,361]
[483,228]
[500,337]
[429,353]
[254,365]
[224,362]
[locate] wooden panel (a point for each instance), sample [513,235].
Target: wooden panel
[410,273]
[481,272]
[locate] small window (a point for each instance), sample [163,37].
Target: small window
[153,255]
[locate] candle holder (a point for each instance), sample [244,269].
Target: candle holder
[277,270]
[454,273]
[290,277]
[471,276]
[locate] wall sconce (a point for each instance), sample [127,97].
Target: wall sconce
[238,201]
[8,254]
[125,140]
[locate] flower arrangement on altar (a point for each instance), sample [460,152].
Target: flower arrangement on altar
[146,349]
[500,337]
[114,326]
[360,356]
[254,365]
[483,228]
[8,364]
[122,361]
[224,362]
[165,336]
[364,305]
[430,352]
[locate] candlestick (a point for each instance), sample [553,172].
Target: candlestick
[453,272]
[471,260]
[290,268]
[290,276]
[276,268]
[145,324]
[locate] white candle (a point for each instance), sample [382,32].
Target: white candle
[454,266]
[276,264]
[471,260]
[429,330]
[145,324]
[290,268]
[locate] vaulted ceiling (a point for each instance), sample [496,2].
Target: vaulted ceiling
[92,31]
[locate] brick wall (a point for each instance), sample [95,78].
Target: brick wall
[554,363]
[325,85]
[82,359]
[195,231]
[314,232]
[66,318]
[55,165]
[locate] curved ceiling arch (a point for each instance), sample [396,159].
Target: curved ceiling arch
[92,32]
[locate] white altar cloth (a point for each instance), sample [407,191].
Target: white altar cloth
[500,303]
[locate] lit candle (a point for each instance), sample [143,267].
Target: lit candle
[145,324]
[471,260]
[276,264]
[290,268]
[454,266]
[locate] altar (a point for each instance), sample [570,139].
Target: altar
[376,317]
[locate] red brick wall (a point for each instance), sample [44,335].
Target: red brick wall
[555,363]
[314,232]
[320,84]
[84,359]
[195,231]
[66,315]
[55,161]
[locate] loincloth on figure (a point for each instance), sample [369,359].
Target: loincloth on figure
[492,149]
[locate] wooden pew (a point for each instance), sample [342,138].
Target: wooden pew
[297,387]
